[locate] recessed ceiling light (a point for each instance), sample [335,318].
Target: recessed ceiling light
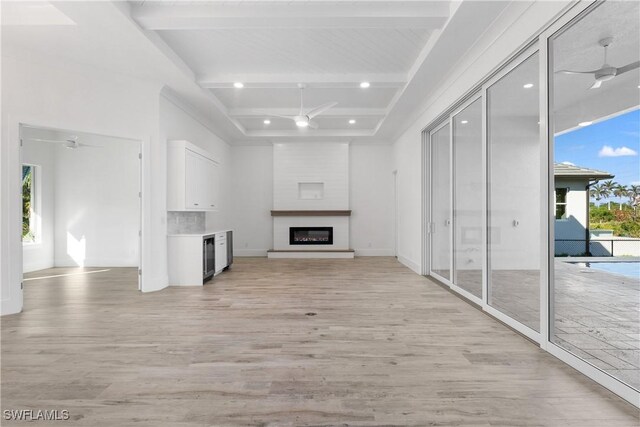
[528,86]
[352,121]
[583,124]
[464,122]
[267,122]
[365,85]
[238,85]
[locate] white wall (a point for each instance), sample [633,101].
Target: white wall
[252,189]
[574,226]
[178,121]
[40,255]
[503,39]
[58,95]
[71,96]
[371,199]
[326,163]
[370,183]
[97,208]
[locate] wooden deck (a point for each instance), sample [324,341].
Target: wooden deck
[357,342]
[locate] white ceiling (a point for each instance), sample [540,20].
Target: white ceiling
[199,49]
[272,46]
[578,49]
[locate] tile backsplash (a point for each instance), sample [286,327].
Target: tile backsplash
[185,222]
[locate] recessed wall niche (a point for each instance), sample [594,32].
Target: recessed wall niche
[311,190]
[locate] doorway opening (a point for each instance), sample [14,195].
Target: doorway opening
[81,208]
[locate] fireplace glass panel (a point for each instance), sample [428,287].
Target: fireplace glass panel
[311,235]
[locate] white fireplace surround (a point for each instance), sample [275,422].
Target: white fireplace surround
[310,177]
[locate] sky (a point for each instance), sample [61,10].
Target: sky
[612,146]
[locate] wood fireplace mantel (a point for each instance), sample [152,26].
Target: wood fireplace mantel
[311,213]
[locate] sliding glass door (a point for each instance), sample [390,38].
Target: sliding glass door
[440,226]
[514,190]
[534,195]
[467,198]
[595,136]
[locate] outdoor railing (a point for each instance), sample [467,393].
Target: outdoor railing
[621,246]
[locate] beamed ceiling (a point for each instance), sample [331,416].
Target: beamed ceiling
[198,50]
[273,46]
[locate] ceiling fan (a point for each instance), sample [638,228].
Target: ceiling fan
[304,118]
[71,143]
[606,72]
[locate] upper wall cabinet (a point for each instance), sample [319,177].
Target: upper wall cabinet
[192,178]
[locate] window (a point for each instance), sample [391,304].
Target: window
[561,203]
[29,219]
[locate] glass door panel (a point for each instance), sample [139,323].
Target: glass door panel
[467,235]
[441,202]
[595,124]
[514,176]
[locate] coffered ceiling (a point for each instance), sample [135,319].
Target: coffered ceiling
[197,50]
[273,46]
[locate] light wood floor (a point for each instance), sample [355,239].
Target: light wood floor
[385,347]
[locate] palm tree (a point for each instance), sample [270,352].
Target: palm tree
[634,196]
[620,191]
[596,192]
[607,189]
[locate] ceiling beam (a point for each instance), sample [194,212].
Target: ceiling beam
[286,81]
[309,132]
[313,14]
[332,112]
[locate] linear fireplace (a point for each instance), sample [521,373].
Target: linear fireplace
[311,235]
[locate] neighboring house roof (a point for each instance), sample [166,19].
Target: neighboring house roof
[573,171]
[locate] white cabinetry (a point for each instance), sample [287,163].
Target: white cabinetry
[188,260]
[221,251]
[192,178]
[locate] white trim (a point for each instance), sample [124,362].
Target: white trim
[374,252]
[169,95]
[468,295]
[412,265]
[598,375]
[512,323]
[310,254]
[440,279]
[249,253]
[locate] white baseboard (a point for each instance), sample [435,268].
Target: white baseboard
[414,266]
[249,252]
[37,266]
[154,283]
[374,252]
[99,262]
[310,255]
[10,306]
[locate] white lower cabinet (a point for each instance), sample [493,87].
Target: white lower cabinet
[190,257]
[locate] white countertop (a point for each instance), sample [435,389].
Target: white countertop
[200,235]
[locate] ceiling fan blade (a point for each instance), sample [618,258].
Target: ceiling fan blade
[321,109]
[628,67]
[89,145]
[267,113]
[313,125]
[55,141]
[596,85]
[575,72]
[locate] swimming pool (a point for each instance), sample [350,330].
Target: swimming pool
[625,268]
